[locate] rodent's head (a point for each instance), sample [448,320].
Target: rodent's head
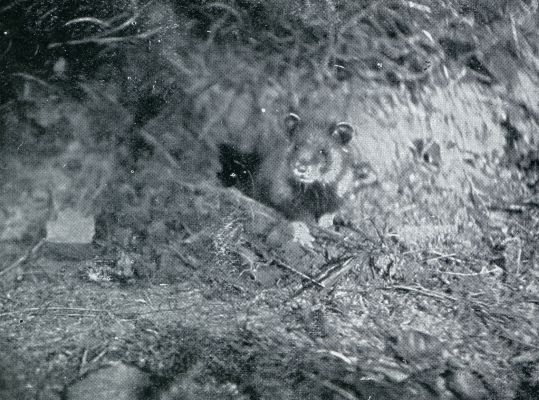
[319,151]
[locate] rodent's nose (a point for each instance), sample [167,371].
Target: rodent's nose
[301,168]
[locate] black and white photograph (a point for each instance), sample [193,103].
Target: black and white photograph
[269,199]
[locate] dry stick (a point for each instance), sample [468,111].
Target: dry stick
[489,271]
[299,273]
[33,78]
[83,361]
[75,315]
[420,290]
[115,29]
[192,263]
[99,356]
[8,48]
[56,314]
[92,20]
[333,274]
[440,256]
[162,310]
[154,142]
[107,40]
[225,7]
[9,6]
[29,253]
[101,188]
[342,392]
[346,241]
[44,309]
[118,28]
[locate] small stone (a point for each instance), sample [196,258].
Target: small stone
[115,382]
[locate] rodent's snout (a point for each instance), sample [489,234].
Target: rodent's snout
[300,168]
[304,172]
[306,162]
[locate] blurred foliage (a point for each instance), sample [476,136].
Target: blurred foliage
[388,42]
[206,59]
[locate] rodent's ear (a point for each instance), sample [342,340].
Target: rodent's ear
[343,132]
[291,123]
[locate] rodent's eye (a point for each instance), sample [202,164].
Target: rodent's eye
[344,132]
[323,152]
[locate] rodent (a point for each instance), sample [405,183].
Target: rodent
[316,173]
[312,173]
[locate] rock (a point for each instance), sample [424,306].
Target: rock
[115,382]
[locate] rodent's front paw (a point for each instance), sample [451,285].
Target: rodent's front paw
[326,221]
[301,234]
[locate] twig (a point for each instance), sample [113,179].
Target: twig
[9,6]
[34,310]
[490,271]
[122,26]
[510,208]
[32,78]
[420,290]
[440,256]
[108,40]
[226,7]
[83,362]
[378,233]
[299,273]
[331,386]
[333,274]
[29,253]
[45,15]
[154,142]
[8,48]
[531,202]
[91,20]
[420,7]
[99,356]
[185,259]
